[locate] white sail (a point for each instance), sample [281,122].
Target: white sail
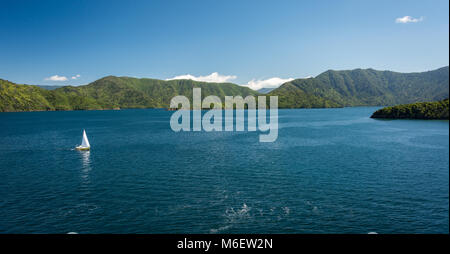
[85,141]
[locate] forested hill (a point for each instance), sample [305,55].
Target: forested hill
[126,92]
[364,87]
[420,110]
[330,89]
[109,93]
[15,97]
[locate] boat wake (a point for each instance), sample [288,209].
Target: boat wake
[233,216]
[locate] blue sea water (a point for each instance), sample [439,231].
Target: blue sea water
[329,171]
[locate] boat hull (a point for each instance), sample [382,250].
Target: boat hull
[83,148]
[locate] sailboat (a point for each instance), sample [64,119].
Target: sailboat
[84,143]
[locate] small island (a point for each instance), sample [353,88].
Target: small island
[437,110]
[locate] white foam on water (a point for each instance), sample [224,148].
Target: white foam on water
[315,209]
[241,213]
[220,229]
[233,216]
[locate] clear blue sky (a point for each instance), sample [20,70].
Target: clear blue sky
[247,39]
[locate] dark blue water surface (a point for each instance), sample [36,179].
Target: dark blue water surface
[330,171]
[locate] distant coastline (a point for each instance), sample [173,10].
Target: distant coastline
[438,110]
[331,89]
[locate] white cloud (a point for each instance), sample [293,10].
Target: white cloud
[56,78]
[253,84]
[408,19]
[267,83]
[76,76]
[213,77]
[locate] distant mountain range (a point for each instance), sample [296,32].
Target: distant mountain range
[363,87]
[360,87]
[109,93]
[49,87]
[265,90]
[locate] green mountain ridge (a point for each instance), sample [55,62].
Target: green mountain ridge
[359,87]
[363,87]
[109,93]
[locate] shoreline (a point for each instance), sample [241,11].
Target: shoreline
[168,109]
